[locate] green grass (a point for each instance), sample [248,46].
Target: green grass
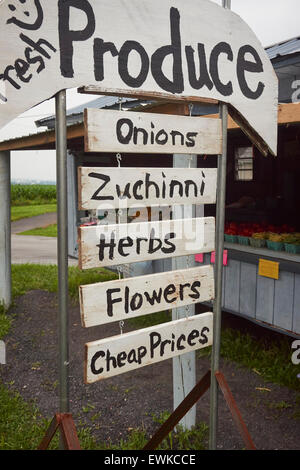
[49,231]
[27,277]
[24,212]
[32,194]
[22,426]
[272,360]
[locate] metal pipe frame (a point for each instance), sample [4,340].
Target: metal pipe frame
[62,248]
[220,222]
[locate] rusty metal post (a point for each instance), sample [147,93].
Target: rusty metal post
[220,222]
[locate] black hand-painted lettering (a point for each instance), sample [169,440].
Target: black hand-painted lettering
[110,301]
[134,82]
[220,48]
[170,290]
[124,243]
[106,180]
[155,298]
[243,66]
[67,37]
[172,247]
[95,357]
[204,78]
[196,294]
[100,48]
[124,139]
[30,24]
[204,338]
[111,244]
[190,139]
[155,340]
[176,85]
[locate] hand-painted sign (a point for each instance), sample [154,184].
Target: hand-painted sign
[118,300]
[123,353]
[109,245]
[112,131]
[170,49]
[112,188]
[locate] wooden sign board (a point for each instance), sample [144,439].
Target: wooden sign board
[132,132]
[123,353]
[175,50]
[114,188]
[109,245]
[267,268]
[106,302]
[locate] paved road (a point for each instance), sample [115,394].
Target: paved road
[33,249]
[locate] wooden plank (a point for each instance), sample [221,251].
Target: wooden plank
[265,299]
[121,299]
[283,301]
[296,311]
[248,289]
[161,58]
[109,245]
[123,353]
[232,285]
[133,132]
[112,188]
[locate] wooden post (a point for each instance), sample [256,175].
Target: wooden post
[184,366]
[5,230]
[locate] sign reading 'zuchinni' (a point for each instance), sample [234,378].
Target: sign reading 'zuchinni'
[116,187]
[171,49]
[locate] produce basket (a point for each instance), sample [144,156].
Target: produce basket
[277,246]
[257,242]
[243,240]
[291,248]
[230,238]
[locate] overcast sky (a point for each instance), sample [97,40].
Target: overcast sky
[272,21]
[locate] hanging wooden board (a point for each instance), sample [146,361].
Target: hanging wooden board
[123,353]
[132,132]
[109,245]
[114,188]
[191,50]
[106,302]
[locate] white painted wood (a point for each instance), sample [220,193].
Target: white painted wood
[133,132]
[138,241]
[139,48]
[123,353]
[184,366]
[122,299]
[5,230]
[138,187]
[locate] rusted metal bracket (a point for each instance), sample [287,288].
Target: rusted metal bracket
[64,422]
[190,400]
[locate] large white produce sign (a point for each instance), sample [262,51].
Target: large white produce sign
[187,49]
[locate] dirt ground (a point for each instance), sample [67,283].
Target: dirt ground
[114,406]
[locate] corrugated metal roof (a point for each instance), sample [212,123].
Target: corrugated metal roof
[77,112]
[292,46]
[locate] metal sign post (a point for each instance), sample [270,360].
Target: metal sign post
[62,247]
[220,221]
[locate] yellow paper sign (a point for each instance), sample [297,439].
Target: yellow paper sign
[268,268]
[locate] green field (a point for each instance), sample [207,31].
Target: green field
[29,200]
[32,194]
